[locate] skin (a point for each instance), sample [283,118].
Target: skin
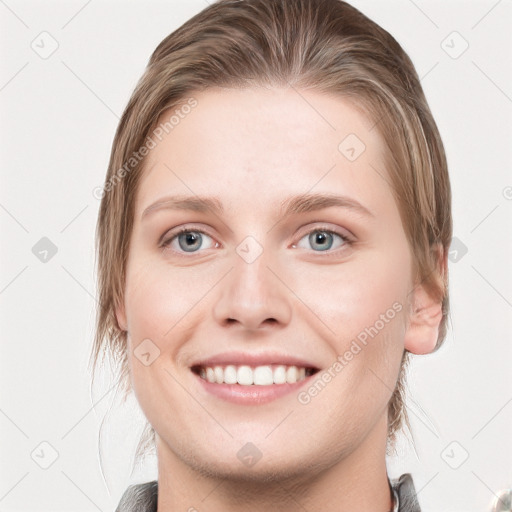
[252,149]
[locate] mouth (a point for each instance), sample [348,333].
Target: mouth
[245,375]
[252,385]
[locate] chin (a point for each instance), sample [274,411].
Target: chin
[245,463]
[262,472]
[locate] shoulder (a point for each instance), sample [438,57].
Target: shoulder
[139,498]
[404,488]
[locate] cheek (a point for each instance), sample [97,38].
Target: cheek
[351,298]
[161,301]
[164,305]
[154,305]
[158,307]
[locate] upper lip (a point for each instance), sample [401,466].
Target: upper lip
[246,358]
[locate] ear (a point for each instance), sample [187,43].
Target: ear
[425,317]
[121,317]
[426,314]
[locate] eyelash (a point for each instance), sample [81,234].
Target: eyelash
[165,244]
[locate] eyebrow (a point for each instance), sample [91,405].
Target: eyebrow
[293,205]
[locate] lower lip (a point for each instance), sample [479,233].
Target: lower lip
[252,395]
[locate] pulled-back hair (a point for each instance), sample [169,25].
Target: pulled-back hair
[323,45]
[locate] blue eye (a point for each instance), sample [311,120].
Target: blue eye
[188,240]
[322,239]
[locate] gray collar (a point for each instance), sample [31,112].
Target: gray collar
[405,494]
[144,497]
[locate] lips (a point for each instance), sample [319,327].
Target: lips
[258,376]
[254,360]
[247,369]
[252,379]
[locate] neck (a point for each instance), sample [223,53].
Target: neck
[357,481]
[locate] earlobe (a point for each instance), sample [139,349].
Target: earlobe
[425,318]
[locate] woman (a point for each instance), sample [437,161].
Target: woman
[272,245]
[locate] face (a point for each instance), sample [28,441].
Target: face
[261,282]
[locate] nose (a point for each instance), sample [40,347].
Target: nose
[253,296]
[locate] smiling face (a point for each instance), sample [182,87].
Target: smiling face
[260,274]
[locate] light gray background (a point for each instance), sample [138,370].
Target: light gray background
[58,117]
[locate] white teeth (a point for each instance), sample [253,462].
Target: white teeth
[263,376]
[219,374]
[230,374]
[279,374]
[244,375]
[210,377]
[248,376]
[291,374]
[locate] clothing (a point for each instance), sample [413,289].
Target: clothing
[143,497]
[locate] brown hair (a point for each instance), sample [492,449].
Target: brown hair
[325,45]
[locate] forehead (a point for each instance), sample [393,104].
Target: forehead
[260,143]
